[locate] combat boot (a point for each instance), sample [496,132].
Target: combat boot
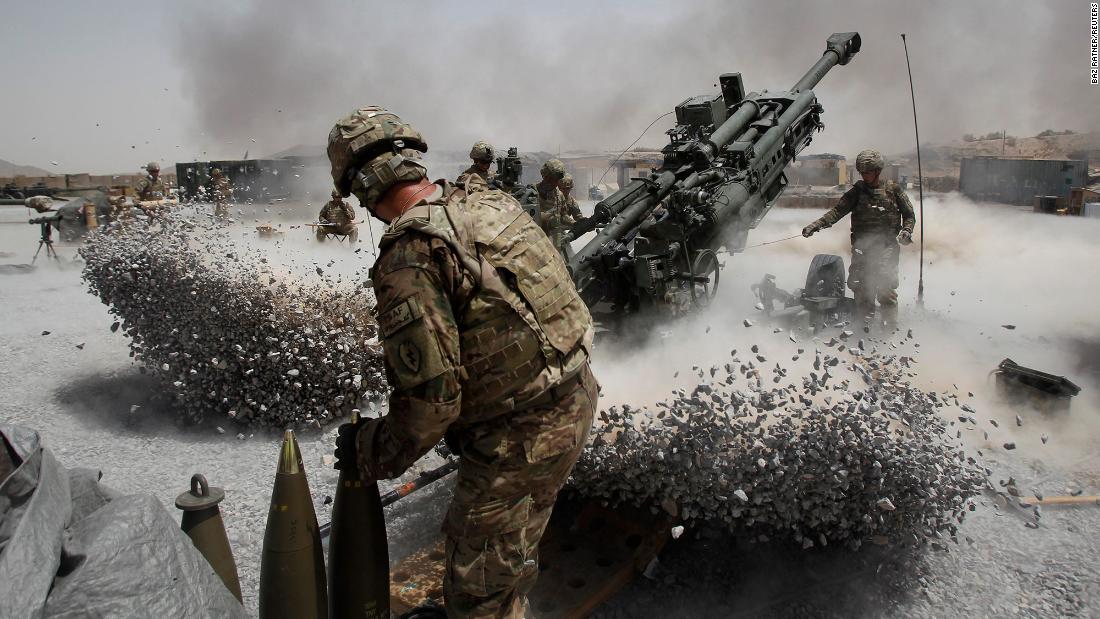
[864,310]
[888,310]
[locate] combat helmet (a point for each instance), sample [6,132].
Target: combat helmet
[482,152]
[868,160]
[554,168]
[372,149]
[566,182]
[152,166]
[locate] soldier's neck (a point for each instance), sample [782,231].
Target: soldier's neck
[401,198]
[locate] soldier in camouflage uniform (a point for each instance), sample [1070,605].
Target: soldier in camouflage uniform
[571,207]
[553,207]
[485,342]
[219,186]
[882,218]
[342,217]
[482,156]
[150,187]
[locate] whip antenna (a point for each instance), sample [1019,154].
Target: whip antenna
[920,175]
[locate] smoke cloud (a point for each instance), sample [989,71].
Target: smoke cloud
[581,76]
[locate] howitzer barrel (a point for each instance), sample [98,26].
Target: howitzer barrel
[839,49]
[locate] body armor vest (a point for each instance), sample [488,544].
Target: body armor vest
[876,210]
[526,328]
[150,188]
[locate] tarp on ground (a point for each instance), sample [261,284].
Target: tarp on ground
[72,547]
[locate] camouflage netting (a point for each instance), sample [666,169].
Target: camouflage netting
[827,461]
[226,333]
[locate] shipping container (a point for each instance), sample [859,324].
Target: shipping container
[1018,181]
[251,179]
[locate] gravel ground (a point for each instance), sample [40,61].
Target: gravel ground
[80,399]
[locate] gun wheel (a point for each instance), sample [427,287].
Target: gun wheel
[705,267]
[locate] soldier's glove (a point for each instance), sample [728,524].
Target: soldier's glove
[905,237]
[347,450]
[810,229]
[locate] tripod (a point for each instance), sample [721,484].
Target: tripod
[46,240]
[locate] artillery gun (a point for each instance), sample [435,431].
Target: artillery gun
[509,179]
[658,238]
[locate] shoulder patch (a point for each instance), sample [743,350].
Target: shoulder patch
[400,315]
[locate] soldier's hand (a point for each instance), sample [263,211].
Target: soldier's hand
[809,230]
[905,237]
[347,450]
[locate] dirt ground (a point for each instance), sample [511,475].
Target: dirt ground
[985,267]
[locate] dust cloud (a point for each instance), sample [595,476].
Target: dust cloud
[1000,282]
[578,75]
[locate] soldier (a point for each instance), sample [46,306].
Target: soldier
[485,341]
[482,156]
[221,190]
[571,206]
[150,187]
[340,215]
[553,209]
[882,217]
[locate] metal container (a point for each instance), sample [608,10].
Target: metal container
[1018,181]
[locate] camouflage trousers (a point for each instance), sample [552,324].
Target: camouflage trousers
[873,275]
[510,472]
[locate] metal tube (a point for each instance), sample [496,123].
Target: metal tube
[818,71]
[734,125]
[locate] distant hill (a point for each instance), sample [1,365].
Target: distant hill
[8,168]
[944,159]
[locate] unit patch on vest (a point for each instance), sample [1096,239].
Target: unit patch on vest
[399,316]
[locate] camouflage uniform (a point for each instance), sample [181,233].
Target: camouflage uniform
[221,192]
[149,188]
[482,152]
[473,175]
[338,212]
[554,213]
[486,341]
[878,215]
[571,206]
